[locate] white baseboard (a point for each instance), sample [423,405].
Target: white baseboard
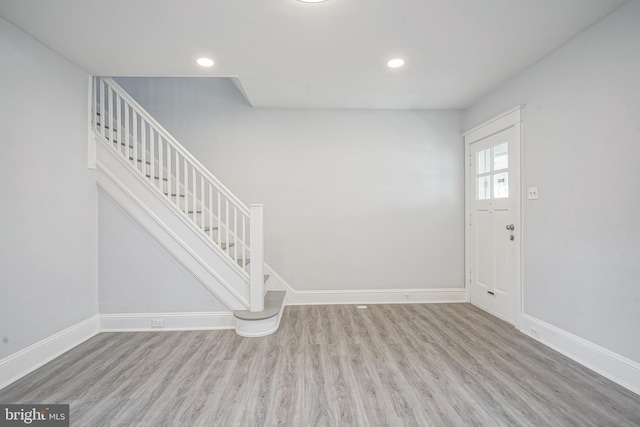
[362,296]
[376,296]
[21,363]
[605,362]
[129,322]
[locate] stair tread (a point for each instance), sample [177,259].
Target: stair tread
[157,177]
[99,124]
[140,160]
[121,143]
[272,306]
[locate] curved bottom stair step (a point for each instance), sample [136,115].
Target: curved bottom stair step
[261,323]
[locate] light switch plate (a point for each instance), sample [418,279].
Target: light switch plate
[533,193]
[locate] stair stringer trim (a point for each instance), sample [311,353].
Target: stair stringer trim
[201,258]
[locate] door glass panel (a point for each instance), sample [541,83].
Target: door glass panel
[501,185]
[501,156]
[484,187]
[484,161]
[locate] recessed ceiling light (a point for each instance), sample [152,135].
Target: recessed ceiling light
[313,1]
[395,63]
[205,62]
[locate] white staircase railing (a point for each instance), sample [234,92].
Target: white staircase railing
[145,145]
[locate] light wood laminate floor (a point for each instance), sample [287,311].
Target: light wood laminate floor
[387,365]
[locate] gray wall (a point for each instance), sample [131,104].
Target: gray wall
[137,275]
[354,199]
[48,231]
[582,149]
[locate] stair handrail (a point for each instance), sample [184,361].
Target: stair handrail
[179,147]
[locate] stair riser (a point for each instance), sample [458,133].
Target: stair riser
[221,238]
[175,188]
[121,147]
[237,250]
[210,220]
[164,186]
[231,247]
[187,202]
[207,222]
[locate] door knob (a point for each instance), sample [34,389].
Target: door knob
[511,227]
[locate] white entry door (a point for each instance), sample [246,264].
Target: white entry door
[493,227]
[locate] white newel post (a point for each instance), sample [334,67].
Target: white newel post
[256,243]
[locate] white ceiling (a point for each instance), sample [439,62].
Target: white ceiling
[329,55]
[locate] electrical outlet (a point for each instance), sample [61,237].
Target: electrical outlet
[533,193]
[535,333]
[157,323]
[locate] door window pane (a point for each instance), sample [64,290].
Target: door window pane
[484,161]
[484,187]
[501,185]
[501,156]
